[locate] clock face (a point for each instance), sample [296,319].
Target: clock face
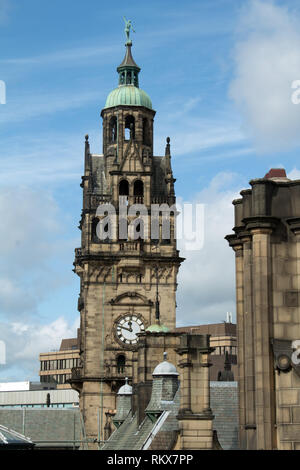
[128,327]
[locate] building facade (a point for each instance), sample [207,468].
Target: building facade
[56,366]
[223,342]
[266,242]
[126,264]
[168,407]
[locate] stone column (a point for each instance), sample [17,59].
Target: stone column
[239,275]
[248,354]
[262,353]
[195,417]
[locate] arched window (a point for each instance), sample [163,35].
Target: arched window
[138,188]
[129,127]
[113,130]
[146,132]
[122,78]
[95,238]
[128,77]
[123,188]
[139,229]
[121,361]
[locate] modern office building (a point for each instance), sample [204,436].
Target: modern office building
[56,366]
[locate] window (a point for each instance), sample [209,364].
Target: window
[113,130]
[129,127]
[138,188]
[128,77]
[95,222]
[121,364]
[138,228]
[123,188]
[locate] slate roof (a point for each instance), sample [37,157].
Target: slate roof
[130,436]
[98,174]
[159,187]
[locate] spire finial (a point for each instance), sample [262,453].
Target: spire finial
[128,27]
[128,70]
[167,152]
[165,356]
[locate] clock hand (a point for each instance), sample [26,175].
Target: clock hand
[125,328]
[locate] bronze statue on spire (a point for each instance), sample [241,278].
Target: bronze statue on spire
[128,27]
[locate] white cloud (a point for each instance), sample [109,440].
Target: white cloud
[267,61]
[25,341]
[191,133]
[206,281]
[294,174]
[31,236]
[75,55]
[22,108]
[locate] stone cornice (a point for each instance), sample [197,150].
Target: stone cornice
[294,224]
[234,242]
[187,415]
[237,201]
[261,222]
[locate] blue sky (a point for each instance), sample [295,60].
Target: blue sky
[219,75]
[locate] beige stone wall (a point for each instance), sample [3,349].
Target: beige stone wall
[287,326]
[195,434]
[267,287]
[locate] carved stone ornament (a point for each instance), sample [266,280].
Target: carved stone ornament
[285,356]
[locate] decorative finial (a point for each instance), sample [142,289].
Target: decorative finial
[167,152]
[86,137]
[128,27]
[126,380]
[165,356]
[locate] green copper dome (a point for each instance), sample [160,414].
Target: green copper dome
[128,95]
[158,329]
[128,91]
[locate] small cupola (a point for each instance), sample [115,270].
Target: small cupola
[124,404]
[128,93]
[128,70]
[164,387]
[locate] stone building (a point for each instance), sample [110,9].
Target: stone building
[222,341]
[266,242]
[128,264]
[166,409]
[125,271]
[56,366]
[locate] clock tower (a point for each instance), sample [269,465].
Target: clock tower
[128,259]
